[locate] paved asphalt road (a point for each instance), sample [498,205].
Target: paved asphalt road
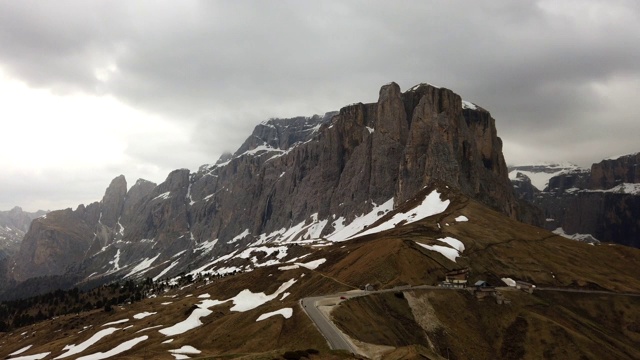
[336,339]
[326,327]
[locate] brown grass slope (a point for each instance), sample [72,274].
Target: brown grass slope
[495,247]
[540,326]
[223,332]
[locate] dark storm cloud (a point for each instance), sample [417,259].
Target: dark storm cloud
[221,67]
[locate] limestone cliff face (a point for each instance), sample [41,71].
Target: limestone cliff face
[62,239]
[52,243]
[523,188]
[289,172]
[13,225]
[456,145]
[609,173]
[603,202]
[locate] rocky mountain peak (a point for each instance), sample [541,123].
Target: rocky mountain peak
[292,179]
[282,134]
[391,119]
[113,201]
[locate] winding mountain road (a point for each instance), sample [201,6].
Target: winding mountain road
[339,341]
[336,339]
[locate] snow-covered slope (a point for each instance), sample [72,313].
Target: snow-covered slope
[289,246]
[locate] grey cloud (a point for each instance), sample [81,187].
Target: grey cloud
[221,67]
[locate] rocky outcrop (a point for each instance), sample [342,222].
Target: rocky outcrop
[13,225]
[523,188]
[603,202]
[62,239]
[612,172]
[53,242]
[113,201]
[569,181]
[288,174]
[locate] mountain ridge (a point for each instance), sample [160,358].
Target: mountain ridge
[323,171]
[596,204]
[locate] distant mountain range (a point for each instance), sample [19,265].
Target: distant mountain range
[597,204]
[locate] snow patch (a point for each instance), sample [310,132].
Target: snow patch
[143,266]
[239,236]
[244,301]
[312,265]
[206,246]
[286,313]
[454,243]
[32,357]
[587,238]
[20,351]
[616,157]
[116,322]
[540,179]
[247,300]
[624,188]
[288,267]
[143,315]
[163,196]
[431,205]
[446,251]
[116,261]
[76,349]
[359,223]
[186,349]
[469,105]
[127,345]
[166,270]
[461,218]
[192,322]
[149,328]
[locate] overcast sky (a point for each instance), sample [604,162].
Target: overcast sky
[90,90]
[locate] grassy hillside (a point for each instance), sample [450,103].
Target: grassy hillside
[545,325]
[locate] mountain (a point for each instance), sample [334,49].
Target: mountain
[597,204]
[323,176]
[370,217]
[580,307]
[539,175]
[13,226]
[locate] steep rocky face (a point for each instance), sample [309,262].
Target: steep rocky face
[574,179]
[608,216]
[523,188]
[281,133]
[603,202]
[456,143]
[13,225]
[113,201]
[613,172]
[53,242]
[62,239]
[292,179]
